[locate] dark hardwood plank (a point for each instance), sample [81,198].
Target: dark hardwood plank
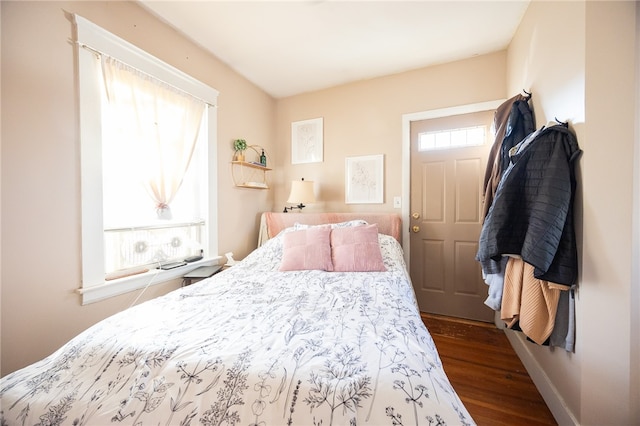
[487,374]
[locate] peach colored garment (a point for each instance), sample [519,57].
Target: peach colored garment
[530,301]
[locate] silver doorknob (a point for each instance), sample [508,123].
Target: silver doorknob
[415,228]
[416,215]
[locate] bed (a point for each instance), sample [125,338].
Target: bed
[257,345]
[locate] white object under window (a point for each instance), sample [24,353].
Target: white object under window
[146,196]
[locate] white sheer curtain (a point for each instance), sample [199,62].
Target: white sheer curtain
[166,126]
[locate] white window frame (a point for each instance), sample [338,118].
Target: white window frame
[90,40]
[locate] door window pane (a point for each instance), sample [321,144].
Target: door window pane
[454,138]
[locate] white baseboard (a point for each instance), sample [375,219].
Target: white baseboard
[549,393]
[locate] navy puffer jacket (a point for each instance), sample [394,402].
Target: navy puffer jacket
[532,213]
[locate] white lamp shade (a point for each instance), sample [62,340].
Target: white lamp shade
[301,192]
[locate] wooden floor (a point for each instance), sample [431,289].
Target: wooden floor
[487,374]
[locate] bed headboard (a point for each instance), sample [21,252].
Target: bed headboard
[271,223]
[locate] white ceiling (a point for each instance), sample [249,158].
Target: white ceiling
[292,47]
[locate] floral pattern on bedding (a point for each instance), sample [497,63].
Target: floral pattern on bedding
[250,346]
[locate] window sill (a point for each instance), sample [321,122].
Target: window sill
[123,285]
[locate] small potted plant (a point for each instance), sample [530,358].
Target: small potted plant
[239,145]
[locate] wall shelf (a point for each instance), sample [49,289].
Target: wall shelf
[252,165]
[250,173]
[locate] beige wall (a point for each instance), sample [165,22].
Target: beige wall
[40,165]
[365,118]
[578,58]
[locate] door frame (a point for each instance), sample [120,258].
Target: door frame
[406,155]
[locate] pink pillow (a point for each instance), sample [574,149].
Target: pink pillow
[307,249]
[356,249]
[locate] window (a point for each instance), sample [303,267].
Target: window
[134,212]
[454,138]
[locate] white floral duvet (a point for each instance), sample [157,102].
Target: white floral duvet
[250,346]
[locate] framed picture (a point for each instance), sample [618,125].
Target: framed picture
[364,179]
[306,141]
